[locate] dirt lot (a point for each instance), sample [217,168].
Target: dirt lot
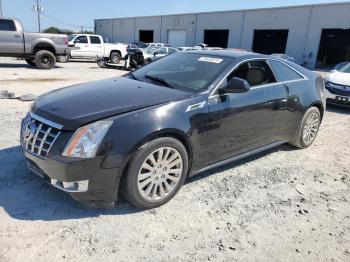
[283,205]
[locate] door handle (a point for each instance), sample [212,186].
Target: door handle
[17,36]
[86,46]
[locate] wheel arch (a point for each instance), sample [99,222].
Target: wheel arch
[320,107]
[171,132]
[115,50]
[44,46]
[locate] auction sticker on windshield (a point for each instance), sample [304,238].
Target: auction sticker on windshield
[210,60]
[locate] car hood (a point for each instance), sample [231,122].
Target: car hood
[339,78]
[81,104]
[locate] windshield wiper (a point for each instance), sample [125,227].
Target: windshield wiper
[158,80]
[133,76]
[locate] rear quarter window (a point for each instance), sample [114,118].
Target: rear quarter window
[284,73]
[95,40]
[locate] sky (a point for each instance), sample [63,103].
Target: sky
[72,14]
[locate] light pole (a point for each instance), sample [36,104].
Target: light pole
[38,9]
[0,8]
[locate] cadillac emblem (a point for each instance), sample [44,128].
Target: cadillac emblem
[29,131]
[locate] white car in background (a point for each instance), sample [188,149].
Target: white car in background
[188,48]
[87,46]
[152,53]
[158,44]
[338,85]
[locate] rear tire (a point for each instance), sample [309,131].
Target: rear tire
[156,173]
[30,61]
[308,129]
[45,59]
[115,57]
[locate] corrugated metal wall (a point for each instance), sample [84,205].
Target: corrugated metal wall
[323,17]
[105,28]
[123,30]
[181,22]
[304,23]
[148,23]
[225,20]
[293,19]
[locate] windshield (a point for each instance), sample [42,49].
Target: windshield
[71,37]
[150,50]
[183,71]
[344,67]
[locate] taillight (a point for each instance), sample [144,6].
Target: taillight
[66,40]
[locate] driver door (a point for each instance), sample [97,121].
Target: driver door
[81,47]
[242,122]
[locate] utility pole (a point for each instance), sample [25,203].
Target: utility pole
[38,9]
[0,8]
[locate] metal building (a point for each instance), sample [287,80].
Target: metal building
[315,35]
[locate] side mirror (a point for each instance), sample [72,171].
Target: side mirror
[76,41]
[236,85]
[155,53]
[333,71]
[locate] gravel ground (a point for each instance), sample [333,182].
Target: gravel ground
[283,205]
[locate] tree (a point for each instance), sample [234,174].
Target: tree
[52,30]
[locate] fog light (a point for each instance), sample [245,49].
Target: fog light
[76,186]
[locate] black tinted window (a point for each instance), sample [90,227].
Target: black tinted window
[255,72]
[95,40]
[7,25]
[283,72]
[81,39]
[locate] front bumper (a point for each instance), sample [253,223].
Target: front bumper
[84,179]
[337,99]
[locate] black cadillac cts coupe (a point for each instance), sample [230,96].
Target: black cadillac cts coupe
[144,133]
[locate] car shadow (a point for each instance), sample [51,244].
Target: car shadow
[25,196]
[237,163]
[12,65]
[338,109]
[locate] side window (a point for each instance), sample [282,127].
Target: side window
[7,25]
[172,50]
[81,39]
[95,40]
[283,72]
[161,51]
[255,72]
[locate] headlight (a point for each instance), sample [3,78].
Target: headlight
[328,84]
[86,140]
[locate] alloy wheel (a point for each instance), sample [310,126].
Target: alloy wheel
[160,173]
[311,128]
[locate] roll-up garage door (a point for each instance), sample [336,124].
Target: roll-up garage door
[177,38]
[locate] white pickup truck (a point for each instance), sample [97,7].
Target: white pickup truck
[86,46]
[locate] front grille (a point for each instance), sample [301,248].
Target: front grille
[339,89]
[37,137]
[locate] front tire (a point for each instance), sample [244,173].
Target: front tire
[308,129]
[156,173]
[45,59]
[115,57]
